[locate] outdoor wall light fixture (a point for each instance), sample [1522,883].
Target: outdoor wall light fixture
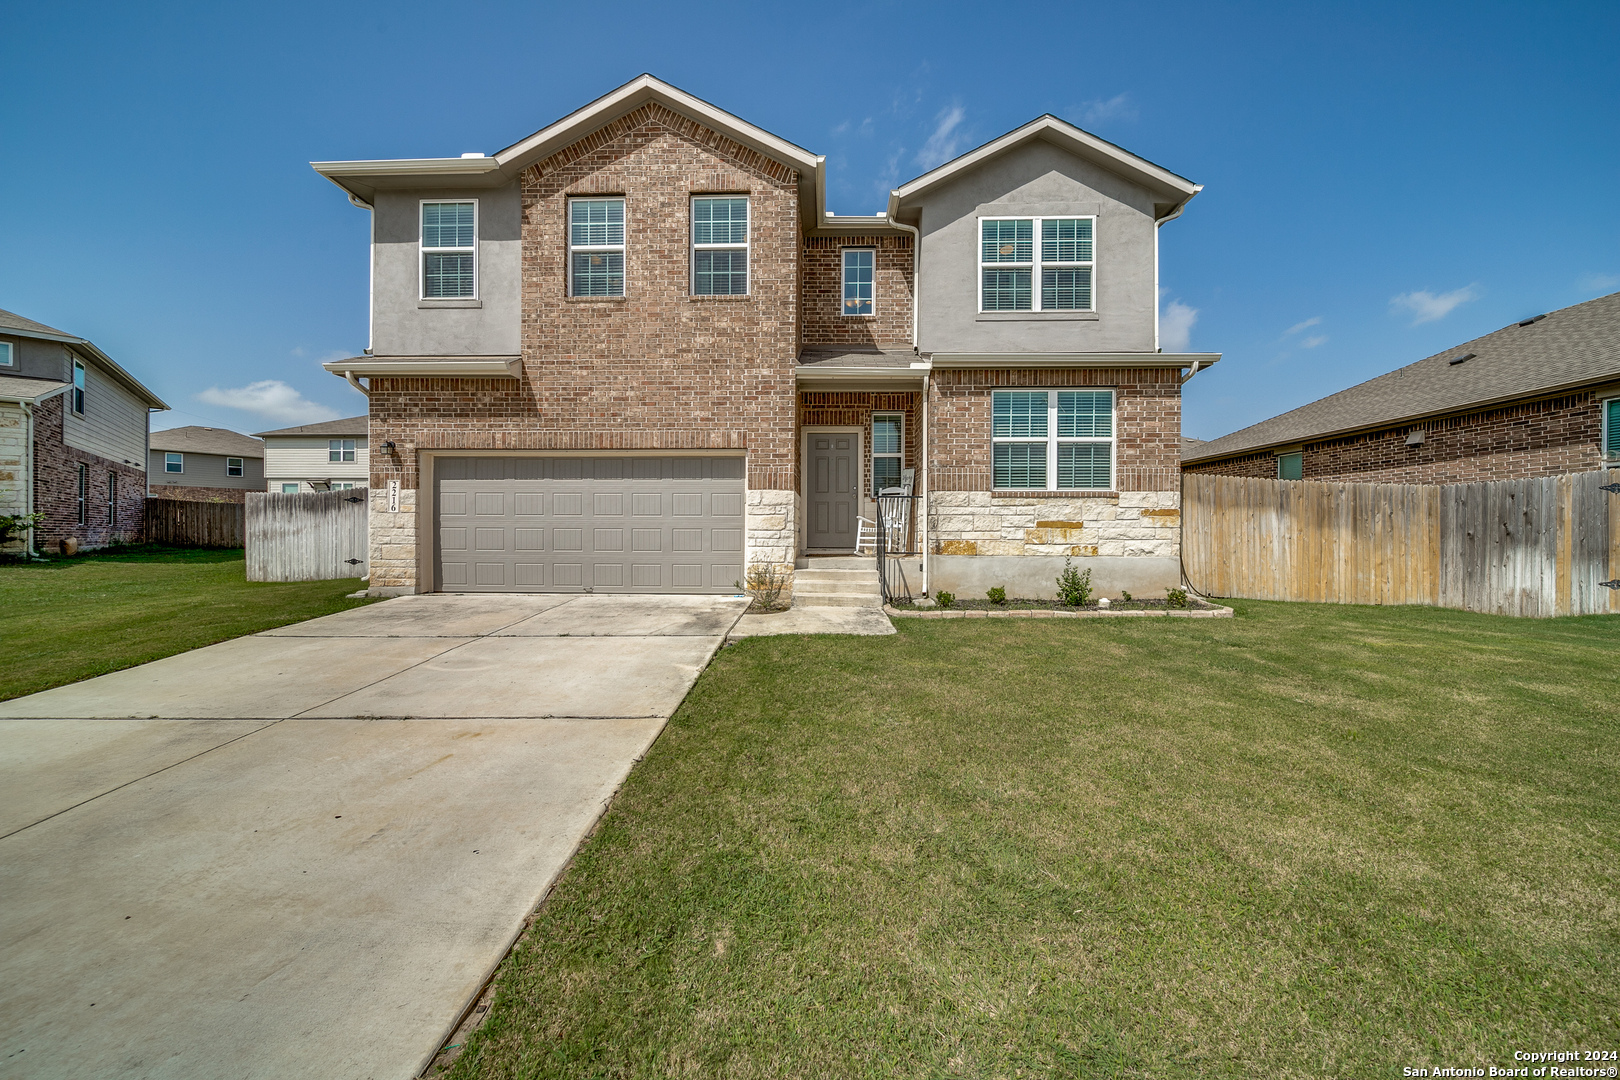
[388,447]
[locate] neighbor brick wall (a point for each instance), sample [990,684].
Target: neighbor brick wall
[199,494]
[56,488]
[889,327]
[1548,437]
[1147,411]
[855,409]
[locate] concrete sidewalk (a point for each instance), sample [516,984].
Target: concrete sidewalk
[265,893]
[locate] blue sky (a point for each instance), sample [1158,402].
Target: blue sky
[1381,181]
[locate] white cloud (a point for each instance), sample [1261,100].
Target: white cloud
[946,140]
[271,399]
[1099,111]
[1314,320]
[1426,306]
[1314,340]
[1175,326]
[1600,283]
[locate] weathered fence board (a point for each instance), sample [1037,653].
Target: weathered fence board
[1535,547]
[194,524]
[307,537]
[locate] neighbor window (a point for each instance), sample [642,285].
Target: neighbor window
[1017,273]
[112,498]
[78,389]
[888,450]
[596,247]
[1052,440]
[233,466]
[1290,466]
[84,491]
[1611,428]
[449,250]
[859,275]
[720,247]
[340,450]
[289,489]
[174,463]
[7,356]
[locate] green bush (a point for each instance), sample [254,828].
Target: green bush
[1176,598]
[943,599]
[1073,586]
[996,594]
[1125,597]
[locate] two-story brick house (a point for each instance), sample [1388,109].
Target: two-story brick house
[633,352]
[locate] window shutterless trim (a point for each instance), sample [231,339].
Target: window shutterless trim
[621,248]
[1296,456]
[8,354]
[1609,413]
[423,251]
[899,455]
[1035,265]
[84,491]
[746,247]
[112,499]
[80,378]
[343,448]
[843,283]
[172,458]
[1053,440]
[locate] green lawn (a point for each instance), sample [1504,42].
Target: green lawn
[68,619]
[1308,841]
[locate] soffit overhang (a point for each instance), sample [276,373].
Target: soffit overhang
[1073,360]
[429,367]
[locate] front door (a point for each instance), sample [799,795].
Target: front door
[834,464]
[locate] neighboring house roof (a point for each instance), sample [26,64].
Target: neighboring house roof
[23,389]
[1173,191]
[207,440]
[1190,446]
[16,326]
[363,179]
[349,425]
[1571,347]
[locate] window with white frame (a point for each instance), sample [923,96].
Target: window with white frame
[233,466]
[78,390]
[1052,440]
[289,489]
[8,354]
[175,463]
[84,492]
[340,450]
[1611,428]
[112,498]
[720,246]
[860,279]
[449,250]
[596,247]
[1036,264]
[888,450]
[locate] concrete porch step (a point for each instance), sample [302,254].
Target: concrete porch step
[838,599]
[836,562]
[822,588]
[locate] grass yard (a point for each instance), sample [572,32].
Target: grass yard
[68,619]
[1308,841]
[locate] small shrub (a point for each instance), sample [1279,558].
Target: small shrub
[764,582]
[996,594]
[1176,598]
[943,599]
[1073,586]
[1124,597]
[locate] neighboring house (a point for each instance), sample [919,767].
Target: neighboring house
[634,352]
[73,428]
[1190,446]
[205,464]
[1538,398]
[327,456]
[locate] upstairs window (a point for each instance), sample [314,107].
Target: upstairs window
[1052,440]
[78,391]
[175,463]
[1036,264]
[596,247]
[8,356]
[720,246]
[449,250]
[859,280]
[233,466]
[340,450]
[888,450]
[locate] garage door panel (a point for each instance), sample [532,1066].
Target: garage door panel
[629,524]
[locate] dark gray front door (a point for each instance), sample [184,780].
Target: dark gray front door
[835,476]
[589,524]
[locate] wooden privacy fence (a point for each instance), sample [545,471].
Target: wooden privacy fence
[194,524]
[313,537]
[1510,547]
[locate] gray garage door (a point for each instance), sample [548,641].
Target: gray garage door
[603,524]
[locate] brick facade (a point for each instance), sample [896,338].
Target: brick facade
[855,409]
[889,326]
[56,489]
[199,494]
[1546,437]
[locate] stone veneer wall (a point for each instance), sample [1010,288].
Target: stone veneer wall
[13,477]
[1130,524]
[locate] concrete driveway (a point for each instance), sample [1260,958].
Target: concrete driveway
[301,853]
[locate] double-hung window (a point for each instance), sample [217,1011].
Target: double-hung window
[860,272]
[888,450]
[8,357]
[233,466]
[449,250]
[340,450]
[1052,440]
[720,246]
[1036,264]
[596,247]
[78,391]
[175,463]
[1611,428]
[289,489]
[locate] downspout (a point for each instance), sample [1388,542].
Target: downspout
[1187,378]
[1171,216]
[916,296]
[923,511]
[28,472]
[355,382]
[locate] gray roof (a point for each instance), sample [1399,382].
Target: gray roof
[11,322]
[833,356]
[27,388]
[1571,347]
[207,440]
[1190,446]
[349,425]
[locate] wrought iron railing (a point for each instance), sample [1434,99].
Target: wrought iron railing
[897,544]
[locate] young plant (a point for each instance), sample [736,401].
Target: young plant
[1074,586]
[943,599]
[996,594]
[1124,596]
[17,524]
[764,582]
[1176,598]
